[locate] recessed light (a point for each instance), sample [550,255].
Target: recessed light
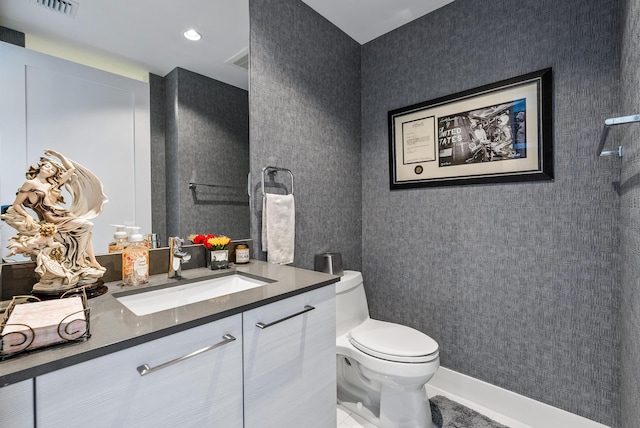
[192,34]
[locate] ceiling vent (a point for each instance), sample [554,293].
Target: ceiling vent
[64,7]
[242,62]
[241,59]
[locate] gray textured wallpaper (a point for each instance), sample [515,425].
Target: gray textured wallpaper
[518,283]
[158,160]
[305,116]
[206,135]
[630,217]
[11,36]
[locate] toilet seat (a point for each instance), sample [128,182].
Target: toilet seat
[393,342]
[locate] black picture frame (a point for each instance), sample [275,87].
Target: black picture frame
[496,133]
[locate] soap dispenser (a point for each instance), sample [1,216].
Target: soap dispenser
[135,260]
[119,239]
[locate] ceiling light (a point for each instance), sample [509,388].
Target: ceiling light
[192,34]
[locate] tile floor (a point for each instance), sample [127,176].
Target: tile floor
[346,419]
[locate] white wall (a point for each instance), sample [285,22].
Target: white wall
[98,119]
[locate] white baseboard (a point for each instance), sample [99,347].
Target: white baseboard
[501,405]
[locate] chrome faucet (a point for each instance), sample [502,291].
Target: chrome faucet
[176,257]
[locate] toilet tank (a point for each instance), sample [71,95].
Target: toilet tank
[351,302]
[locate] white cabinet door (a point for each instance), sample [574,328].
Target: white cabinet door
[204,390]
[16,405]
[290,366]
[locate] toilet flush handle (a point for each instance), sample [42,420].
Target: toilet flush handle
[306,309]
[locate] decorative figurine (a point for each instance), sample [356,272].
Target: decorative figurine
[60,240]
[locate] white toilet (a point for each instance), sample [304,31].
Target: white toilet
[382,367]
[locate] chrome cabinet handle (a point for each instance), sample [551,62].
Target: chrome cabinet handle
[306,309]
[145,369]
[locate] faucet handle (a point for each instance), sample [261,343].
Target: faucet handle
[176,256]
[175,241]
[177,251]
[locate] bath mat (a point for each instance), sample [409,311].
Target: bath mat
[449,414]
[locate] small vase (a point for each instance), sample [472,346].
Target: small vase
[219,259]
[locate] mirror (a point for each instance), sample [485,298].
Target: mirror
[199,151]
[206,157]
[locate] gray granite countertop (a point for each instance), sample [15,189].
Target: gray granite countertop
[114,327]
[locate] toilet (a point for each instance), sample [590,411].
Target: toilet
[382,367]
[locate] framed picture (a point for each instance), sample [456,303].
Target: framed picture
[496,133]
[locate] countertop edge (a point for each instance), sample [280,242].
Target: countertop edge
[21,367]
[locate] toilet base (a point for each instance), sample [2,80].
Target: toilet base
[399,402]
[404,409]
[367,414]
[362,411]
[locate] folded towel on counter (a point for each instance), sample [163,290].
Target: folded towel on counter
[278,228]
[38,324]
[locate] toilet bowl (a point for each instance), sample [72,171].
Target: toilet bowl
[382,367]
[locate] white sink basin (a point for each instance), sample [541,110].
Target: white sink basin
[149,302]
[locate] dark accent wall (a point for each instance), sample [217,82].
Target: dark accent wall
[305,116]
[11,36]
[157,111]
[629,137]
[519,283]
[206,134]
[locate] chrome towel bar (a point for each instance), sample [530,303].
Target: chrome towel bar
[605,131]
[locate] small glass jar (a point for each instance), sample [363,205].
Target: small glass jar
[242,254]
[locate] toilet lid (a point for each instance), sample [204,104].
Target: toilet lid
[393,342]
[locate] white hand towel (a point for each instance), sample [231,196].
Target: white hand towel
[278,228]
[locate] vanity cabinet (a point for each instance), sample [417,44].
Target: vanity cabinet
[178,389]
[16,405]
[290,362]
[271,366]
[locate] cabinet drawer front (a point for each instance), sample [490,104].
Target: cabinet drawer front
[202,390]
[16,405]
[289,367]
